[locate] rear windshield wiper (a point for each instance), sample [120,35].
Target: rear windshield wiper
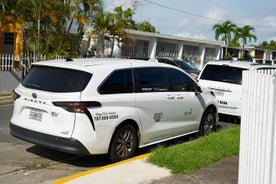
[34,86]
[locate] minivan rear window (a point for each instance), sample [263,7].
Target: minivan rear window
[223,73]
[58,80]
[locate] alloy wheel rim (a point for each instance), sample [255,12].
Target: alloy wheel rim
[124,143]
[208,124]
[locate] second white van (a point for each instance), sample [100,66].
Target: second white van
[224,78]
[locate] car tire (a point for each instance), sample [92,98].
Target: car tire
[123,144]
[208,122]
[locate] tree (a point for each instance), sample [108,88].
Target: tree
[224,32]
[39,7]
[110,26]
[122,19]
[269,46]
[81,11]
[41,19]
[102,24]
[146,26]
[8,13]
[244,34]
[49,23]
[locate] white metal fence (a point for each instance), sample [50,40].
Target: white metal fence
[257,159]
[8,62]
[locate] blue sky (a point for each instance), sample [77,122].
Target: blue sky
[195,18]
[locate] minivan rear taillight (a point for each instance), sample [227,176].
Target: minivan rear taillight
[15,95]
[80,107]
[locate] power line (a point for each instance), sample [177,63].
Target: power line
[200,16]
[181,11]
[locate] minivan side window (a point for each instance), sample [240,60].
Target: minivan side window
[180,81]
[119,81]
[151,79]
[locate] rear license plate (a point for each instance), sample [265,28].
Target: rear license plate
[36,115]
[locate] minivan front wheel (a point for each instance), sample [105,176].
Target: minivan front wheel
[123,143]
[208,122]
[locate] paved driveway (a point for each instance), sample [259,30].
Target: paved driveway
[26,163]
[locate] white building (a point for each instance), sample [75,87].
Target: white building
[148,45]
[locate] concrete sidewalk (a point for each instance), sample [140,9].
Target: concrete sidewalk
[138,171]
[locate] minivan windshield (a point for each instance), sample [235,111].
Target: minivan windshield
[223,73]
[58,80]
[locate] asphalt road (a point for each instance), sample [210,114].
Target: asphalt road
[26,163]
[5,116]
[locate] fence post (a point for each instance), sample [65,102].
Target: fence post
[1,62]
[257,159]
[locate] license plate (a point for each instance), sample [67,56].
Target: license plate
[36,115]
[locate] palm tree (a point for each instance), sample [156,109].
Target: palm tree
[102,25]
[41,18]
[122,19]
[224,32]
[38,10]
[244,34]
[8,13]
[81,12]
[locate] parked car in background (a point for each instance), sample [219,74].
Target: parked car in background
[224,78]
[109,106]
[187,67]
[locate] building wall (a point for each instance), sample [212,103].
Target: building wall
[148,45]
[17,46]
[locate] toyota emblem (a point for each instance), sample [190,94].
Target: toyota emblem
[34,95]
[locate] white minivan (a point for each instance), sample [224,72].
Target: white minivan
[109,106]
[224,78]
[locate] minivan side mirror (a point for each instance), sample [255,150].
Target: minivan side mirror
[198,89]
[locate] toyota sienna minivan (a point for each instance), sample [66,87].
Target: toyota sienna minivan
[109,106]
[224,78]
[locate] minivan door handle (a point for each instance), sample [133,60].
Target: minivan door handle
[179,97]
[170,97]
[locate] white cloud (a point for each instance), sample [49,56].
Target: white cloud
[111,4]
[265,27]
[201,28]
[271,38]
[270,21]
[183,23]
[215,13]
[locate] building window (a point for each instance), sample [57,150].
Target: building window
[210,54]
[169,50]
[135,49]
[9,38]
[192,54]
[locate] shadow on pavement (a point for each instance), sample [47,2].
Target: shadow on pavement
[71,159]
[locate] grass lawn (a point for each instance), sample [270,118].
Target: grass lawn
[187,157]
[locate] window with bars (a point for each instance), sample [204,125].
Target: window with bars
[135,48]
[210,54]
[169,50]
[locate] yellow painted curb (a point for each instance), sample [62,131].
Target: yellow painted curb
[72,177]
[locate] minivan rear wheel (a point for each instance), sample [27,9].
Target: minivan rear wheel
[208,122]
[123,144]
